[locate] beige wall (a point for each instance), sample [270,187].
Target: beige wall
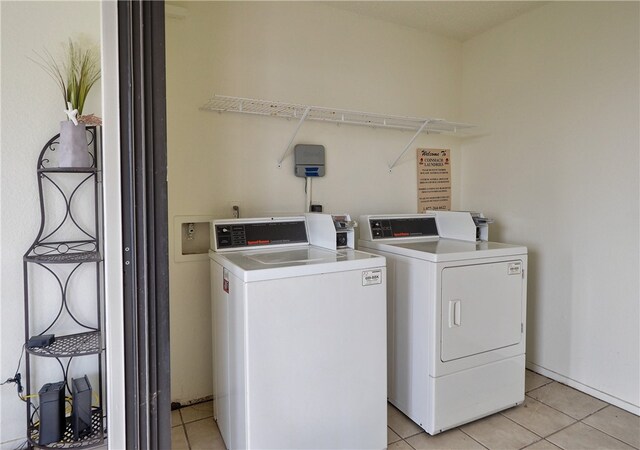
[559,90]
[299,53]
[30,112]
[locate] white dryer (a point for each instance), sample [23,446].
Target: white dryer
[299,339]
[456,319]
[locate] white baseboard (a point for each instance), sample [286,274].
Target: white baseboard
[634,409]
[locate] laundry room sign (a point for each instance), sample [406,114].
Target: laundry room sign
[434,179]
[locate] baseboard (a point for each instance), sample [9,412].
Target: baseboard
[195,401]
[622,404]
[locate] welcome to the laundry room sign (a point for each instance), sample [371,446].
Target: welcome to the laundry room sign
[434,179]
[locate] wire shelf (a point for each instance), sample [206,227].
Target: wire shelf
[221,103]
[94,439]
[64,252]
[80,344]
[68,170]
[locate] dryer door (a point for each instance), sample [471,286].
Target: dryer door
[481,308]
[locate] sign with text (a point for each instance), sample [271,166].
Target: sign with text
[434,179]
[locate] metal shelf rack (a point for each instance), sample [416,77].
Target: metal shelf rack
[63,245]
[301,113]
[94,439]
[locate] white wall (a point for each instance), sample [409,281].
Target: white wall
[30,112]
[559,90]
[300,53]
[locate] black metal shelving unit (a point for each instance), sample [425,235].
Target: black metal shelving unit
[67,242]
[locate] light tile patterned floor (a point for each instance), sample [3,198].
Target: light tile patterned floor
[552,417]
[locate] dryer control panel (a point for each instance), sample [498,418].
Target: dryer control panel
[402,227]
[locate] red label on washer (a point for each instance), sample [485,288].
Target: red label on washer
[258,242]
[225,280]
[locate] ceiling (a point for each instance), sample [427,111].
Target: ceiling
[459,20]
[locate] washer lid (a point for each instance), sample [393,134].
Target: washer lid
[256,265]
[305,255]
[441,250]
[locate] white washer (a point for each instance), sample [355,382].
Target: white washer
[456,320]
[299,339]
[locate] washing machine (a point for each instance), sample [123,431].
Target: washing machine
[456,317]
[299,339]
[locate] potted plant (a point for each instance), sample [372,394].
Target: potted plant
[75,77]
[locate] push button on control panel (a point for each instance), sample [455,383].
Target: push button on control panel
[380,229]
[238,235]
[223,234]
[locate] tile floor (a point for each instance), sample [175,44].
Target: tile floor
[553,416]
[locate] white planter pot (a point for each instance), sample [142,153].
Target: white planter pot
[73,149]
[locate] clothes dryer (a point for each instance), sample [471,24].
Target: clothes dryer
[299,339]
[456,318]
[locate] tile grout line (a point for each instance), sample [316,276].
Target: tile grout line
[415,434]
[186,436]
[542,385]
[394,432]
[184,429]
[522,426]
[410,446]
[471,437]
[576,421]
[543,438]
[562,429]
[562,412]
[595,412]
[602,431]
[534,442]
[605,433]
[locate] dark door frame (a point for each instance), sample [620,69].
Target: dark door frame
[143,147]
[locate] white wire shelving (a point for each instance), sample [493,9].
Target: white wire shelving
[301,113]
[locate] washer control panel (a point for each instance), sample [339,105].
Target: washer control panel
[238,235]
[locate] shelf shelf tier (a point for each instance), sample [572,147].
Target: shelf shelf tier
[94,439]
[60,252]
[81,344]
[68,170]
[222,103]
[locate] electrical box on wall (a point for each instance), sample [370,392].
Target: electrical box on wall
[309,160]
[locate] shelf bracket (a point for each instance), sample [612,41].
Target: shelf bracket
[295,133]
[415,136]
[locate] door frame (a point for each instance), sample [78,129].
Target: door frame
[136,225]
